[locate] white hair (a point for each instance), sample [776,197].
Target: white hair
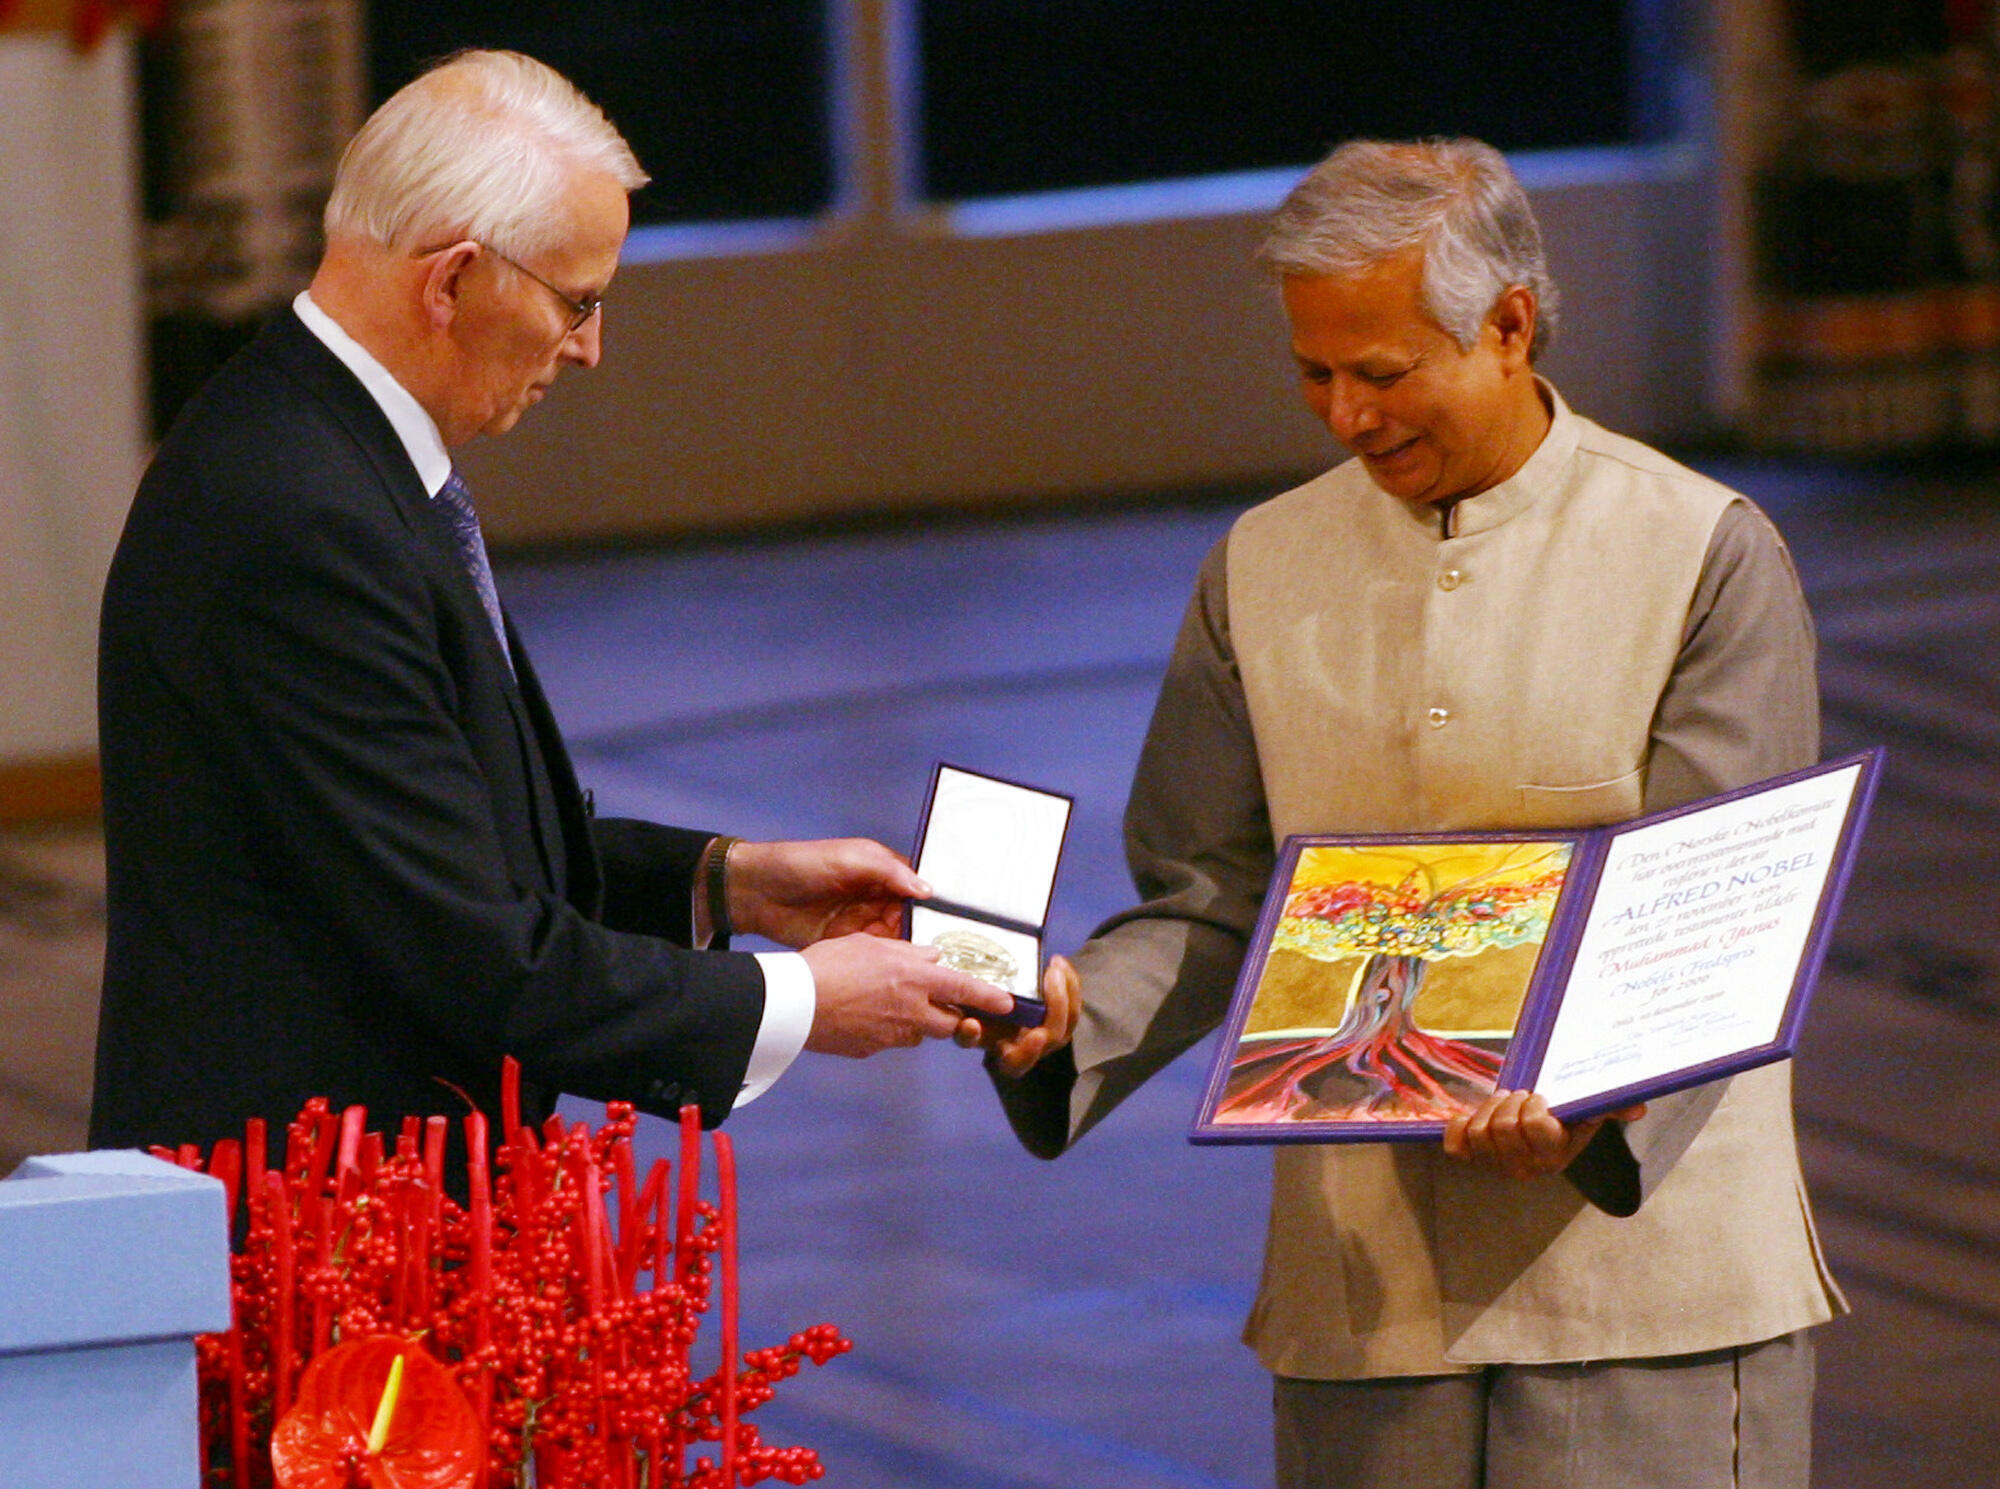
[481,146]
[1457,200]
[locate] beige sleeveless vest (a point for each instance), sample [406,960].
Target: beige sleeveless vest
[1503,677]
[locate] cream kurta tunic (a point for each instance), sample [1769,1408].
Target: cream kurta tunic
[1605,632]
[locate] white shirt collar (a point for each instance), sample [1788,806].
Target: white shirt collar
[415,428]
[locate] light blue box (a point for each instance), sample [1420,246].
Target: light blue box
[110,1264]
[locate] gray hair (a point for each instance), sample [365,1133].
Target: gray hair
[1457,200]
[481,146]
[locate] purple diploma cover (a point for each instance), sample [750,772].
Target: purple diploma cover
[1395,981]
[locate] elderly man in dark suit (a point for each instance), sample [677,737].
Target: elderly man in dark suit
[348,854]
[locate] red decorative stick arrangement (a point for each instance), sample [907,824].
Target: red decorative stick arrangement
[564,1312]
[725,1169]
[284,1296]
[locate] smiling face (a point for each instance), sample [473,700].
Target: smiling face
[1429,421]
[511,335]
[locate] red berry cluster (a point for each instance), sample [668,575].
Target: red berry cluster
[564,1296]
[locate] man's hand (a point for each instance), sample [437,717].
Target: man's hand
[1515,1132]
[874,994]
[799,893]
[1017,1050]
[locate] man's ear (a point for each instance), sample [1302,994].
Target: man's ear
[443,282]
[1513,321]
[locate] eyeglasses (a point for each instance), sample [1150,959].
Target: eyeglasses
[579,310]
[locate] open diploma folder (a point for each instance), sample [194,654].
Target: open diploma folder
[1394,981]
[989,849]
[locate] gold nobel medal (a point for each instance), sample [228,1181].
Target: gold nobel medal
[976,956]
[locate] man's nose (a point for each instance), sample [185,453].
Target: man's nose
[585,345]
[1350,409]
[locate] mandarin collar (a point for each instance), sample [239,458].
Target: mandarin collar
[1538,474]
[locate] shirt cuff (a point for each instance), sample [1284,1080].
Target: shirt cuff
[789,1001]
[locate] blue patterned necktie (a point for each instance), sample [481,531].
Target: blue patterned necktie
[454,503]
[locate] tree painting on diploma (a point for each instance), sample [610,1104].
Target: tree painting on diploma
[1395,976]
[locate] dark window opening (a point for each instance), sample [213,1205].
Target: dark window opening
[724,103]
[1026,95]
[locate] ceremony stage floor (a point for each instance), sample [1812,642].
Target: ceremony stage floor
[1025,1325]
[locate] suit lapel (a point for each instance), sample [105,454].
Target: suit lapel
[532,726]
[562,846]
[562,826]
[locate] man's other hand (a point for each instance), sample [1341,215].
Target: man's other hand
[799,893]
[874,994]
[1516,1133]
[1017,1050]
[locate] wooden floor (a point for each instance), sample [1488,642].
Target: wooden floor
[1021,1324]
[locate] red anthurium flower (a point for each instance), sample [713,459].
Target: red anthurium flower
[428,1434]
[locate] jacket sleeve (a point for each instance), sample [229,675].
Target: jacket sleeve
[1198,840]
[649,874]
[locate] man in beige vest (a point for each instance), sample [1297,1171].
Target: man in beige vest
[1496,615]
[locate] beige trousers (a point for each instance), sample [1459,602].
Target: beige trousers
[1728,1419]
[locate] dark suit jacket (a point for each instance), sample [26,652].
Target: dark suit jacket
[347,853]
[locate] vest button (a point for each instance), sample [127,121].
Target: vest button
[1450,579]
[1438,717]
